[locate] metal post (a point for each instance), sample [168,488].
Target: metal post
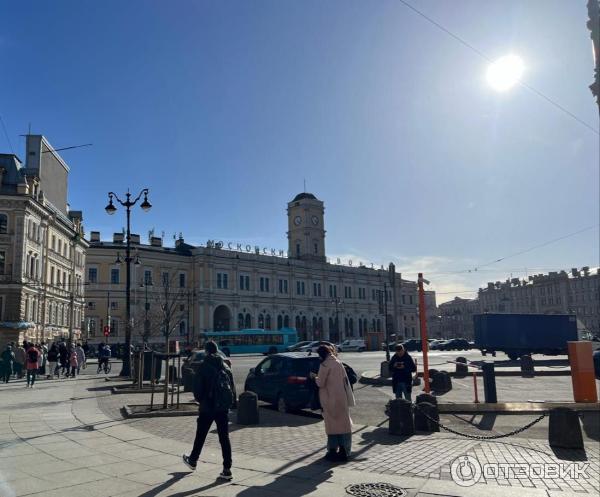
[126,371]
[152,376]
[387,327]
[475,387]
[424,343]
[179,376]
[173,381]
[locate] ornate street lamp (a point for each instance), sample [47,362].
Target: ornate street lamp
[111,209]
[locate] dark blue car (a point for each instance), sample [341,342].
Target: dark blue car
[283,380]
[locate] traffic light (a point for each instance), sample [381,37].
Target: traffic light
[106,330]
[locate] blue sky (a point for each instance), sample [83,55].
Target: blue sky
[223,108]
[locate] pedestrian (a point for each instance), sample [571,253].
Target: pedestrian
[33,355]
[41,360]
[19,364]
[80,357]
[73,362]
[214,390]
[8,359]
[402,367]
[63,357]
[336,398]
[53,361]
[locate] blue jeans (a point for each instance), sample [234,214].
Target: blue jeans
[403,389]
[344,440]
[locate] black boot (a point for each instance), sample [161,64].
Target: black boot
[331,455]
[342,456]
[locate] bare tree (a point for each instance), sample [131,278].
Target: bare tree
[169,301]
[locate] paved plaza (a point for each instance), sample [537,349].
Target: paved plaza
[68,438]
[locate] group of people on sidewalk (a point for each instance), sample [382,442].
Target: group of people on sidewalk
[37,359]
[214,389]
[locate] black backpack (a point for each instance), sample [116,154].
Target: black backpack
[32,355]
[352,376]
[221,395]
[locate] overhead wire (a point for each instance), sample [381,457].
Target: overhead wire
[485,57]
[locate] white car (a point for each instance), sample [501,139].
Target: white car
[349,345]
[313,346]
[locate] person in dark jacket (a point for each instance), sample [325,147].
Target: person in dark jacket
[402,367]
[53,361]
[8,358]
[210,391]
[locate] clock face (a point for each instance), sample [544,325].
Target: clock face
[297,220]
[315,220]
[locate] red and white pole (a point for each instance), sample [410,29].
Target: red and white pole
[424,342]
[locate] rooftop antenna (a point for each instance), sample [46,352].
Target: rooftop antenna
[304,185]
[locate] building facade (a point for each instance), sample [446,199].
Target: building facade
[236,289]
[456,318]
[42,249]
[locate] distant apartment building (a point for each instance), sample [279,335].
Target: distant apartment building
[42,250]
[456,318]
[576,292]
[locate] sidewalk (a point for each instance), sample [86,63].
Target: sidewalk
[66,439]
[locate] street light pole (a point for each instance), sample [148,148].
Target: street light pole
[337,301]
[387,324]
[111,209]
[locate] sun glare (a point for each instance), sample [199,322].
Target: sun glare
[505,72]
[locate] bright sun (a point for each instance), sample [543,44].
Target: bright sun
[505,72]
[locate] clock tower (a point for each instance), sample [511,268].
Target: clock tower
[306,229]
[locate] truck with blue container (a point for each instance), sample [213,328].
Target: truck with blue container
[520,334]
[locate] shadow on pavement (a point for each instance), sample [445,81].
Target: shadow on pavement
[270,417]
[569,454]
[591,424]
[175,477]
[295,483]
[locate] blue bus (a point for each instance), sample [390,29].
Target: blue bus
[252,341]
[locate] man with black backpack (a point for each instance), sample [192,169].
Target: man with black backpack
[215,392]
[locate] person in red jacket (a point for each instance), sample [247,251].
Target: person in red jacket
[31,357]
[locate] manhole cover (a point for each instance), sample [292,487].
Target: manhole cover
[375,490]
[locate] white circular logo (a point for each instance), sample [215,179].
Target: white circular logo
[465,471]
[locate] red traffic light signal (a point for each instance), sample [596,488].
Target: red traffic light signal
[106,331]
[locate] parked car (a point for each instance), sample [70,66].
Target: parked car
[349,345]
[313,346]
[413,345]
[190,366]
[435,344]
[296,346]
[283,380]
[455,344]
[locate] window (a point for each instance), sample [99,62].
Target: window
[404,299]
[92,327]
[300,288]
[114,305]
[182,328]
[114,276]
[114,327]
[261,321]
[240,321]
[316,248]
[93,275]
[286,321]
[362,293]
[91,306]
[165,279]
[297,250]
[348,292]
[222,280]
[148,277]
[264,286]
[333,290]
[181,280]
[410,299]
[283,286]
[3,224]
[59,246]
[244,282]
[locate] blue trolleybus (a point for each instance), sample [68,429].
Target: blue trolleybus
[252,341]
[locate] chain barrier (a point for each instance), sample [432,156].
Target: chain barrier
[481,437]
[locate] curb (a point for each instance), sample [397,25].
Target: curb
[130,414]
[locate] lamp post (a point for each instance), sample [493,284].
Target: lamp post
[111,209]
[337,301]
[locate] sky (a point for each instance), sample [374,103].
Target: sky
[225,109]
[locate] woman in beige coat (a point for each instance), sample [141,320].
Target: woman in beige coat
[336,398]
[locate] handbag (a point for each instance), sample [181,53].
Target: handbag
[349,393]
